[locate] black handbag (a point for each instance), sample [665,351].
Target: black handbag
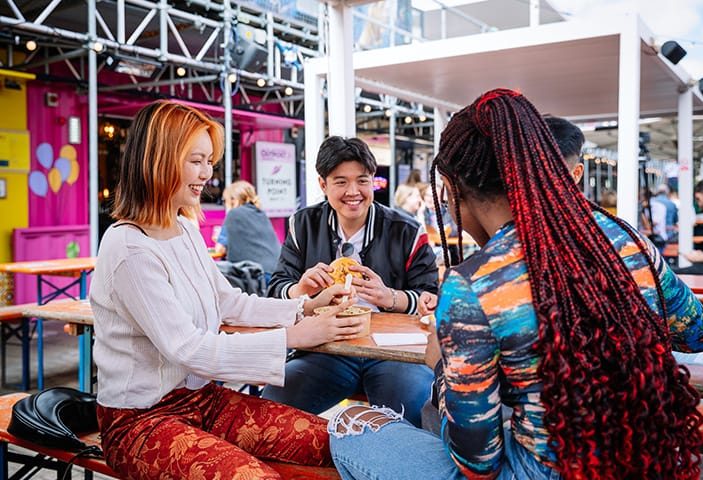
[52,418]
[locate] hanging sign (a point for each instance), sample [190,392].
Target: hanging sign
[275,178]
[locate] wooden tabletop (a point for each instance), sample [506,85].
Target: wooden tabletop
[68,310]
[58,266]
[365,346]
[80,313]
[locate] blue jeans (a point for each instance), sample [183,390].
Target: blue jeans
[316,382]
[399,451]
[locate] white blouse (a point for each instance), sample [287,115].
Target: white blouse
[158,307]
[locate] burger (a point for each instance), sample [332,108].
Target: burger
[341,269]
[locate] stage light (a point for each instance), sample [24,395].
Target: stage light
[288,91]
[31,45]
[232,77]
[367,108]
[261,82]
[422,117]
[97,46]
[388,112]
[181,72]
[408,119]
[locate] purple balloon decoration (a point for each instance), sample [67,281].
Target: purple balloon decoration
[45,155]
[63,165]
[38,184]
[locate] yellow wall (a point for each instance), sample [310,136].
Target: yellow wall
[14,143]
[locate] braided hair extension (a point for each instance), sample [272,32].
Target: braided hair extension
[616,403]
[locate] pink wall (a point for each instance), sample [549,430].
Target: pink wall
[44,243]
[248,139]
[49,125]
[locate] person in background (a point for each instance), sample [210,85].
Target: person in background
[396,265]
[570,140]
[566,314]
[672,212]
[414,177]
[609,201]
[159,302]
[408,200]
[247,230]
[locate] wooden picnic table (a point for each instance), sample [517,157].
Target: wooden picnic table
[78,315]
[78,268]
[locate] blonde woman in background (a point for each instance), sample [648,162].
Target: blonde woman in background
[247,233]
[408,199]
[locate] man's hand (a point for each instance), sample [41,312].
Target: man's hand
[371,288]
[427,303]
[314,279]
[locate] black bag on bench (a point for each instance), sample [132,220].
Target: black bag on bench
[51,417]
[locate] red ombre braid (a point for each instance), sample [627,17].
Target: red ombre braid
[617,405]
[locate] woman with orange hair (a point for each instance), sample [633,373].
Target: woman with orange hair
[159,301]
[566,314]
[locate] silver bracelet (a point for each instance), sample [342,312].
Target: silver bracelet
[394,294]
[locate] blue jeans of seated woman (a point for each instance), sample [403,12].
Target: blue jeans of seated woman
[399,451]
[316,382]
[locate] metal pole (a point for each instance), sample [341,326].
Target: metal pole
[93,131]
[391,143]
[227,89]
[685,154]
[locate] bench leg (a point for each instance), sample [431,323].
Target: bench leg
[4,470]
[25,355]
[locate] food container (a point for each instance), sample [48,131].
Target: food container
[357,311]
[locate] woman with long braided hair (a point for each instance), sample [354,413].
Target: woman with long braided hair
[566,315]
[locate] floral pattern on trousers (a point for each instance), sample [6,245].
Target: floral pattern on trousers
[210,433]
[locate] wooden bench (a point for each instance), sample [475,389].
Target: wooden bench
[54,459]
[13,314]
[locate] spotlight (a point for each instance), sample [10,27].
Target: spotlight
[408,119]
[672,51]
[181,72]
[288,91]
[31,45]
[97,46]
[422,117]
[388,112]
[232,77]
[367,108]
[261,82]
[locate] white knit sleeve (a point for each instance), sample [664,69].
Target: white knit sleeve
[143,293]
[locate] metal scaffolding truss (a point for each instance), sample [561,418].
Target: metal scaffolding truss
[194,42]
[202,43]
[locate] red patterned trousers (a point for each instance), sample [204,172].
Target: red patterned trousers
[211,433]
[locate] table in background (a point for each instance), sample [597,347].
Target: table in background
[78,268]
[694,282]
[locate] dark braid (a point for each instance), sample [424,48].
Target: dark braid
[617,405]
[440,220]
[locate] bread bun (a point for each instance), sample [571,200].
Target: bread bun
[341,268]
